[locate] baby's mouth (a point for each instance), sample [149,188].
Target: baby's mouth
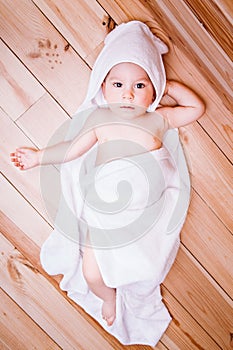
[127,107]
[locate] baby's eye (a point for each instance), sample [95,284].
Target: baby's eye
[140,85]
[118,85]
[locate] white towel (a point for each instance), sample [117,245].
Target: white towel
[134,208]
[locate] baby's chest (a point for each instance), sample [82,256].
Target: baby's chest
[137,134]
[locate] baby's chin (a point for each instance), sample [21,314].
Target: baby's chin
[127,111]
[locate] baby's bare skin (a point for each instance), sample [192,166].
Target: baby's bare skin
[122,137]
[95,282]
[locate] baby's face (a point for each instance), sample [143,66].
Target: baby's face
[128,85]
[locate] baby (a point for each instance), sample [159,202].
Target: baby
[128,92]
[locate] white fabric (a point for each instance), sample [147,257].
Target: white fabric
[153,192]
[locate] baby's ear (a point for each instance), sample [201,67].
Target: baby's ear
[154,96]
[103,87]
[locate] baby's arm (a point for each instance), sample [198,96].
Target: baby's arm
[189,106]
[26,158]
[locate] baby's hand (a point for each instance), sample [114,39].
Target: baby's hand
[25,158]
[166,87]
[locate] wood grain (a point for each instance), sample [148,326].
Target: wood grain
[214,21]
[35,227]
[18,91]
[201,296]
[226,8]
[27,182]
[72,18]
[15,326]
[208,239]
[39,299]
[204,171]
[184,332]
[43,120]
[47,54]
[217,120]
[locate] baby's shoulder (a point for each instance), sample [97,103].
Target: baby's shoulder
[161,117]
[156,119]
[99,117]
[153,123]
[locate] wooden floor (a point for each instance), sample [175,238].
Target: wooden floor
[47,49]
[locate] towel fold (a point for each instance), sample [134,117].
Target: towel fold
[134,208]
[129,207]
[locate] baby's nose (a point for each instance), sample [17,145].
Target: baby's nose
[128,94]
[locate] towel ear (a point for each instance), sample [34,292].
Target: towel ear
[162,47]
[160,37]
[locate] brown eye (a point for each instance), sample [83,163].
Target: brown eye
[140,86]
[117,85]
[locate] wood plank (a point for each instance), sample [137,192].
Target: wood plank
[47,54]
[214,21]
[160,346]
[26,244]
[73,18]
[117,11]
[43,120]
[19,89]
[35,227]
[39,299]
[170,344]
[217,120]
[210,172]
[18,331]
[201,297]
[203,229]
[27,182]
[183,330]
[188,35]
[226,8]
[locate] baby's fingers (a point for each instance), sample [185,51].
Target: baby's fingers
[17,154]
[19,165]
[14,158]
[16,163]
[20,151]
